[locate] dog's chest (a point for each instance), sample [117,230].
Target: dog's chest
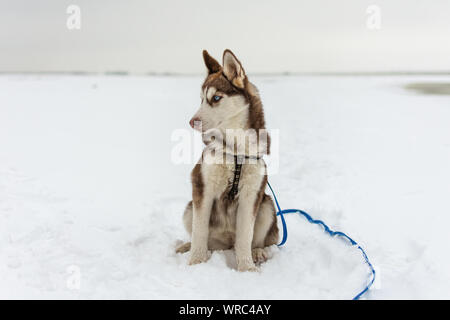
[218,178]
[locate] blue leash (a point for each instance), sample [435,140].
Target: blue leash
[332,233]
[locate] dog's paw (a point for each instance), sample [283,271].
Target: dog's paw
[184,247]
[259,255]
[198,257]
[244,265]
[251,268]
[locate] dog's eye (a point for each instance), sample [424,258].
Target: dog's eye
[217,98]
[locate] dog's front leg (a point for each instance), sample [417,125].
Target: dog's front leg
[200,230]
[245,223]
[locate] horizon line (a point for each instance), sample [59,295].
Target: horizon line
[128,73]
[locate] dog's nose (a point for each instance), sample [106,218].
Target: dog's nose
[193,121]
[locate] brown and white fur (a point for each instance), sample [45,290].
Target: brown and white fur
[248,222]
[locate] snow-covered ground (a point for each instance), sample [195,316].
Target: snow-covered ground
[91,201]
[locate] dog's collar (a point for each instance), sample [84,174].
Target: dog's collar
[237,174]
[240,157]
[238,160]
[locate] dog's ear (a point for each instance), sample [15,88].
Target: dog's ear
[232,68]
[211,64]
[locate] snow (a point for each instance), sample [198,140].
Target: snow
[89,191]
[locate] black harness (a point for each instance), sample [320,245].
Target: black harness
[238,160]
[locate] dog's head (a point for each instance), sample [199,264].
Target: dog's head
[228,99]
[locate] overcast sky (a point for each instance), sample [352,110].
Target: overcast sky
[141,36]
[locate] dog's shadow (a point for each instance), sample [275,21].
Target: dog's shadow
[230,258]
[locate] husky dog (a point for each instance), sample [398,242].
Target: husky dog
[224,213]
